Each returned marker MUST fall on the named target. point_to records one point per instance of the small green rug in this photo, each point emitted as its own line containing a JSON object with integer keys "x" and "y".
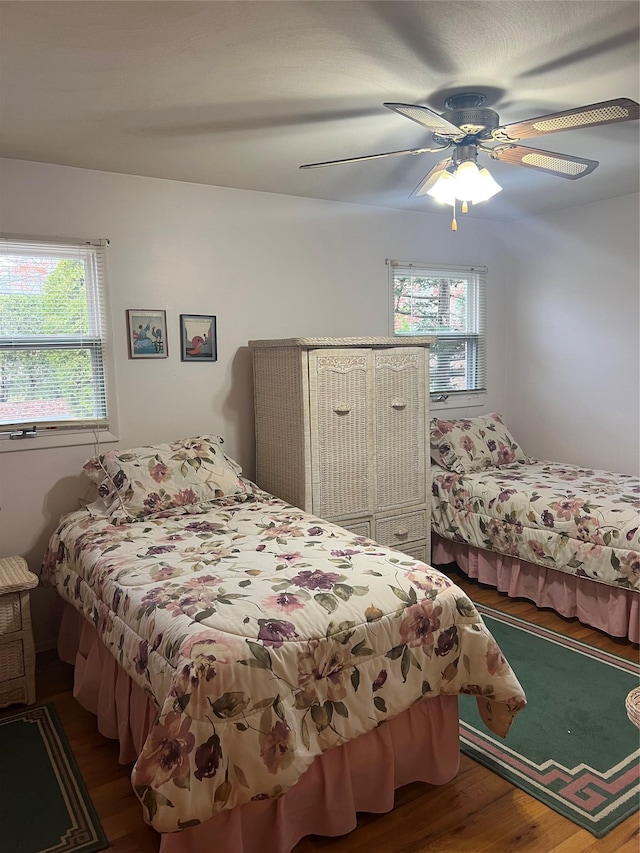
{"x": 573, "y": 746}
{"x": 44, "y": 804}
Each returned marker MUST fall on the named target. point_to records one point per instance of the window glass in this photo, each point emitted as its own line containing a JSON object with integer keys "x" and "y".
{"x": 449, "y": 304}
{"x": 52, "y": 336}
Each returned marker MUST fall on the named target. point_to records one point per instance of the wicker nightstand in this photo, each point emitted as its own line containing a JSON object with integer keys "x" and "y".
{"x": 17, "y": 653}
{"x": 632, "y": 704}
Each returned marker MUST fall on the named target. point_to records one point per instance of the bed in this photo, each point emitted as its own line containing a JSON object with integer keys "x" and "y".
{"x": 563, "y": 536}
{"x": 270, "y": 673}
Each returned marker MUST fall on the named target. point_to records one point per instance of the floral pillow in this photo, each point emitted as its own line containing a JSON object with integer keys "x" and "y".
{"x": 474, "y": 444}
{"x": 145, "y": 481}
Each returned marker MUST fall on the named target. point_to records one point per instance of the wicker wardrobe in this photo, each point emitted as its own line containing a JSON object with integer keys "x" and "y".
{"x": 342, "y": 432}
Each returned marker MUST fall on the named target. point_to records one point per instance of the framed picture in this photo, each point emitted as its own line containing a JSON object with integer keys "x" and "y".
{"x": 147, "y": 333}
{"x": 198, "y": 337}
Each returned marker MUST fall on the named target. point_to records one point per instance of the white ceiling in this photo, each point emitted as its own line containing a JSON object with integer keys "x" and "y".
{"x": 240, "y": 93}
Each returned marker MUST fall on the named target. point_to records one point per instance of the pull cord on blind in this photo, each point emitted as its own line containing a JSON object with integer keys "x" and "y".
{"x": 52, "y": 335}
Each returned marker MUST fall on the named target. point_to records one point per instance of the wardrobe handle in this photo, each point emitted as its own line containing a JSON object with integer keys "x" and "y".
{"x": 398, "y": 404}
{"x": 342, "y": 409}
{"x": 401, "y": 531}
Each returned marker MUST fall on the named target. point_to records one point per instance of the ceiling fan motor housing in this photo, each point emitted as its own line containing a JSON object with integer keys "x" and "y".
{"x": 475, "y": 121}
{"x": 466, "y": 110}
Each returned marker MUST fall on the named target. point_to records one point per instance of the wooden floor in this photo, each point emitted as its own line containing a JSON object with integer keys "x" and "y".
{"x": 477, "y": 812}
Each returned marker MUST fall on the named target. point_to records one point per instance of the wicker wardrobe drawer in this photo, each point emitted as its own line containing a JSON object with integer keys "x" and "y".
{"x": 395, "y": 530}
{"x": 358, "y": 526}
{"x": 10, "y": 619}
{"x": 11, "y": 660}
{"x": 418, "y": 552}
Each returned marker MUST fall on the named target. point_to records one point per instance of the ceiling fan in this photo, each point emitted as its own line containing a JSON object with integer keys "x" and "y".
{"x": 469, "y": 127}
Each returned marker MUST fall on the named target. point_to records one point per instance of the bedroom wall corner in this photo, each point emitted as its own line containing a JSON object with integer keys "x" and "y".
{"x": 573, "y": 380}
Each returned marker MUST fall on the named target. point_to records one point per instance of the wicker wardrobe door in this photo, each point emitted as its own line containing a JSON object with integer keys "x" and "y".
{"x": 400, "y": 395}
{"x": 341, "y": 400}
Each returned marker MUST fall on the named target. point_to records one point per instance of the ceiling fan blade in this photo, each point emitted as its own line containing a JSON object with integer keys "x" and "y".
{"x": 429, "y": 180}
{"x": 370, "y": 157}
{"x": 562, "y": 165}
{"x": 605, "y": 112}
{"x": 427, "y": 118}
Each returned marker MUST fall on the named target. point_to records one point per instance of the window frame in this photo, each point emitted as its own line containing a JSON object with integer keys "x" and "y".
{"x": 19, "y": 434}
{"x": 476, "y": 276}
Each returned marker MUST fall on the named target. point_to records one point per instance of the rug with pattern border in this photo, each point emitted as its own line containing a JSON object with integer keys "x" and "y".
{"x": 573, "y": 747}
{"x": 44, "y": 804}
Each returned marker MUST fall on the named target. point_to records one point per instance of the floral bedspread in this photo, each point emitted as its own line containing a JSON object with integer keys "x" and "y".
{"x": 266, "y": 636}
{"x": 585, "y": 522}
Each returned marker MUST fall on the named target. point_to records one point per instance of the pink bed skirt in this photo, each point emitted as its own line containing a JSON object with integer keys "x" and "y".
{"x": 361, "y": 776}
{"x": 610, "y": 609}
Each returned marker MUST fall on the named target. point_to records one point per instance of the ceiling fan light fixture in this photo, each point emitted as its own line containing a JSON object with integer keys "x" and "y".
{"x": 467, "y": 184}
{"x": 443, "y": 188}
{"x": 474, "y": 185}
{"x": 490, "y": 186}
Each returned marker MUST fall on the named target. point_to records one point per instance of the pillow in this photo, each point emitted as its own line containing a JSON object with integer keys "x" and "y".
{"x": 144, "y": 481}
{"x": 474, "y": 444}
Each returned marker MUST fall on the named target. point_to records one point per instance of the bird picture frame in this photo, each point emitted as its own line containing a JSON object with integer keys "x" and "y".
{"x": 147, "y": 333}
{"x": 198, "y": 337}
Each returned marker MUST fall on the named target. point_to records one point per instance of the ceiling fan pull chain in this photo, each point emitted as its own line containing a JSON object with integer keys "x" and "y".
{"x": 454, "y": 224}
{"x": 465, "y": 207}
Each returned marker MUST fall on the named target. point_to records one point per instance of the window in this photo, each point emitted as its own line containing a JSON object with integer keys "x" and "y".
{"x": 52, "y": 338}
{"x": 447, "y": 302}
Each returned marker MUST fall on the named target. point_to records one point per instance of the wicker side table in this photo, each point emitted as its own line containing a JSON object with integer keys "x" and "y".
{"x": 17, "y": 652}
{"x": 632, "y": 704}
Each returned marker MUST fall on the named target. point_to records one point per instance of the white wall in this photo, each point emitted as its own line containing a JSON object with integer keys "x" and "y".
{"x": 573, "y": 345}
{"x": 265, "y": 265}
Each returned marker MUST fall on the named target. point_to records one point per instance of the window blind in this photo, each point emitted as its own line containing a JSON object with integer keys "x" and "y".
{"x": 448, "y": 302}
{"x": 52, "y": 334}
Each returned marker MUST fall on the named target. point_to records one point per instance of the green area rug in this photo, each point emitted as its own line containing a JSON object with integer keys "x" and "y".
{"x": 573, "y": 746}
{"x": 44, "y": 804}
